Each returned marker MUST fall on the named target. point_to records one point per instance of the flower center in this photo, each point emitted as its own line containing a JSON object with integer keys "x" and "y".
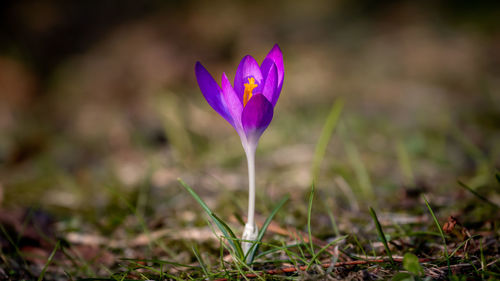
{"x": 247, "y": 94}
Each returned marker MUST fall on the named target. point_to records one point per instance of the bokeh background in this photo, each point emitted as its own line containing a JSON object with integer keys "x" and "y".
{"x": 100, "y": 109}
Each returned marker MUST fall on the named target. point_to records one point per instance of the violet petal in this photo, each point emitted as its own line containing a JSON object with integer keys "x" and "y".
{"x": 270, "y": 89}
{"x": 256, "y": 116}
{"x": 212, "y": 92}
{"x": 274, "y": 56}
{"x": 247, "y": 68}
{"x": 234, "y": 105}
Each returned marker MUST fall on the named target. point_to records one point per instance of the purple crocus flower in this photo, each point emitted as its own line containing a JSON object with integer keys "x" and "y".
{"x": 248, "y": 106}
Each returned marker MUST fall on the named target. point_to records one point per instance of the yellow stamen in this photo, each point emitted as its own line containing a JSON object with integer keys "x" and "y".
{"x": 247, "y": 94}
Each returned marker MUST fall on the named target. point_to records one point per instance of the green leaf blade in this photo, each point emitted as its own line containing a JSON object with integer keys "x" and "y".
{"x": 412, "y": 265}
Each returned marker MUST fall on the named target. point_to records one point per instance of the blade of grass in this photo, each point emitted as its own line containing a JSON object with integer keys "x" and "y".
{"x": 25, "y": 223}
{"x": 302, "y": 254}
{"x": 324, "y": 138}
{"x": 161, "y": 271}
{"x": 221, "y": 255}
{"x": 290, "y": 254}
{"x": 313, "y": 259}
{"x": 257, "y": 274}
{"x": 285, "y": 248}
{"x": 229, "y": 230}
{"x": 348, "y": 192}
{"x": 440, "y": 232}
{"x": 275, "y": 249}
{"x": 483, "y": 260}
{"x": 223, "y": 227}
{"x": 143, "y": 193}
{"x": 486, "y": 200}
{"x": 240, "y": 270}
{"x": 104, "y": 268}
{"x": 239, "y": 263}
{"x": 359, "y": 245}
{"x": 362, "y": 176}
{"x": 405, "y": 164}
{"x": 472, "y": 149}
{"x": 422, "y": 233}
{"x": 142, "y": 266}
{"x": 49, "y": 260}
{"x": 333, "y": 221}
{"x": 239, "y": 218}
{"x": 477, "y": 155}
{"x": 16, "y": 248}
{"x": 170, "y": 276}
{"x": 174, "y": 124}
{"x": 159, "y": 262}
{"x": 251, "y": 253}
{"x": 373, "y": 249}
{"x": 462, "y": 244}
{"x": 309, "y": 211}
{"x": 78, "y": 262}
{"x": 381, "y": 234}
{"x": 200, "y": 261}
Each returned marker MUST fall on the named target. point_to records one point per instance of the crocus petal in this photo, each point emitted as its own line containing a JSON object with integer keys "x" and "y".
{"x": 270, "y": 85}
{"x": 234, "y": 105}
{"x": 275, "y": 56}
{"x": 248, "y": 68}
{"x": 256, "y": 116}
{"x": 212, "y": 92}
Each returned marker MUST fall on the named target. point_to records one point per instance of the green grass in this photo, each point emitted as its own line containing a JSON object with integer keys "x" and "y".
{"x": 381, "y": 234}
{"x": 349, "y": 232}
{"x": 445, "y": 247}
{"x": 326, "y": 135}
{"x": 49, "y": 260}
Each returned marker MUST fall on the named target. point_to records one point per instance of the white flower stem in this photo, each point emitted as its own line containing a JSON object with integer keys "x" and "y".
{"x": 251, "y": 231}
{"x": 251, "y": 187}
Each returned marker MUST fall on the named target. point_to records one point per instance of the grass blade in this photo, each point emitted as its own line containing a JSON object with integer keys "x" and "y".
{"x": 293, "y": 256}
{"x": 462, "y": 244}
{"x": 440, "y": 232}
{"x": 333, "y": 221}
{"x": 239, "y": 218}
{"x": 175, "y": 264}
{"x": 324, "y": 138}
{"x": 275, "y": 249}
{"x": 359, "y": 245}
{"x": 200, "y": 261}
{"x": 486, "y": 200}
{"x": 316, "y": 255}
{"x": 49, "y": 260}
{"x": 405, "y": 164}
{"x": 255, "y": 246}
{"x": 16, "y": 248}
{"x": 381, "y": 234}
{"x": 360, "y": 171}
{"x": 223, "y": 227}
{"x": 309, "y": 211}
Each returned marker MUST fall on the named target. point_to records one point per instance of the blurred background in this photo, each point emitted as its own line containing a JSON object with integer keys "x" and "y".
{"x": 100, "y": 109}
